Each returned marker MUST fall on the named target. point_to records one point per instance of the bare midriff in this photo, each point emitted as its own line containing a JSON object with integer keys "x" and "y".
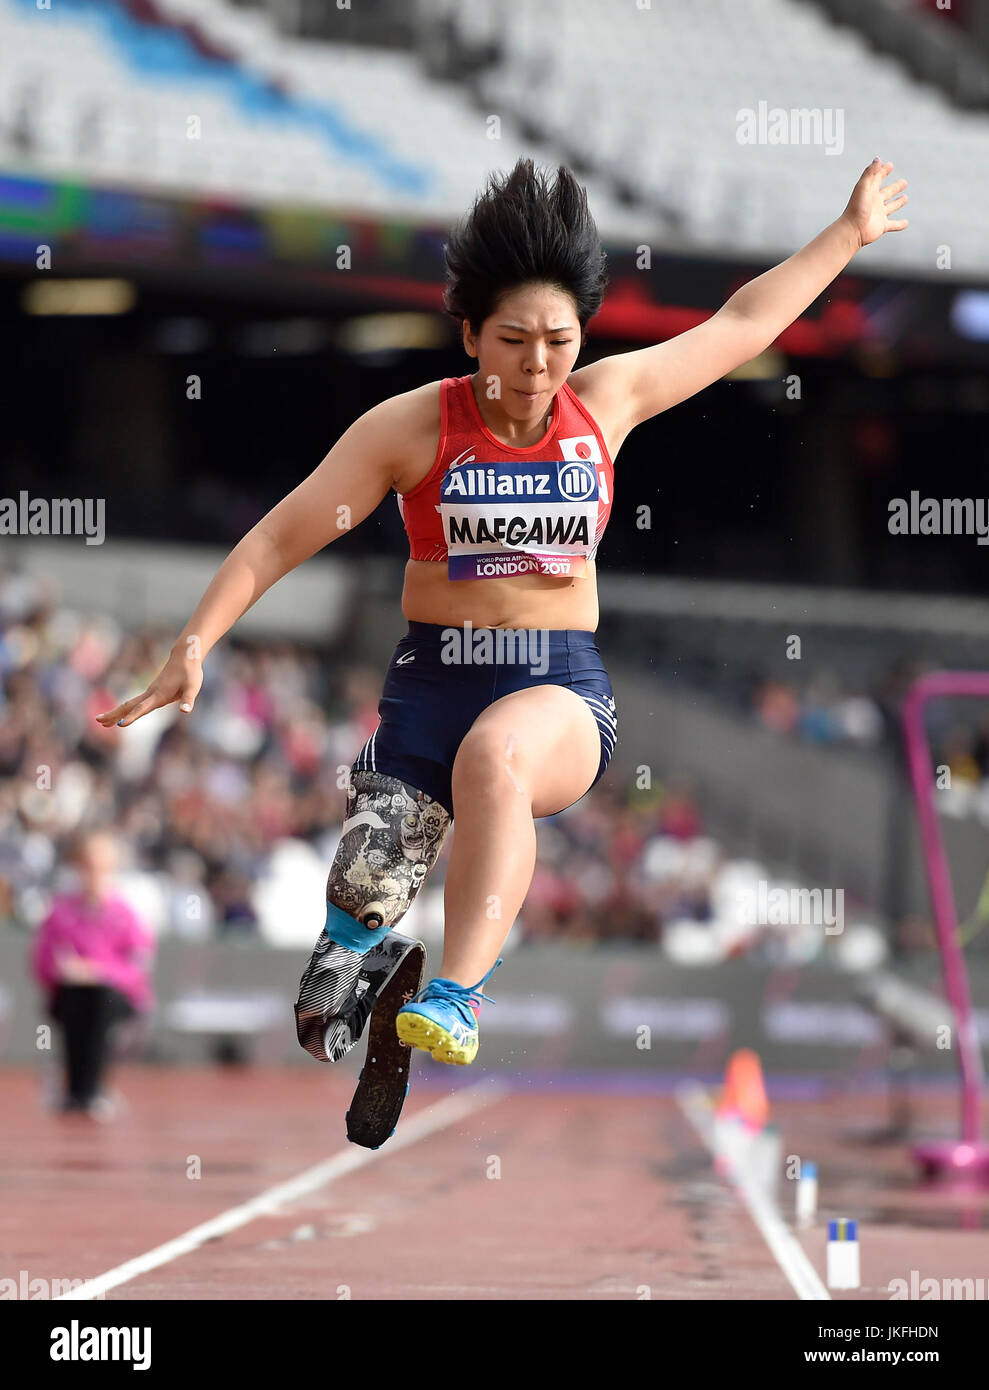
{"x": 515, "y": 601}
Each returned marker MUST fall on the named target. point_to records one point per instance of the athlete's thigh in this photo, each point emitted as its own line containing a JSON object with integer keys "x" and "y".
{"x": 542, "y": 741}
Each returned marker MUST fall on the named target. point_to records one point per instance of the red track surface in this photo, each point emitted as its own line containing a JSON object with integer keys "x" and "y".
{"x": 600, "y": 1195}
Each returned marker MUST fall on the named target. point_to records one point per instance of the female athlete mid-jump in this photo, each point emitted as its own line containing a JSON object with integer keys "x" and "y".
{"x": 504, "y": 482}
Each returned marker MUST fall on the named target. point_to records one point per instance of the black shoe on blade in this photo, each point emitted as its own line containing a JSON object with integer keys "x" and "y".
{"x": 339, "y": 989}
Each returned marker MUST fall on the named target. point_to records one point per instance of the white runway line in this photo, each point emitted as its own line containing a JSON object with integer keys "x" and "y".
{"x": 419, "y": 1126}
{"x": 789, "y": 1253}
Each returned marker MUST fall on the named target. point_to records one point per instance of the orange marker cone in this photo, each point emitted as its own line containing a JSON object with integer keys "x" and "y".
{"x": 743, "y": 1095}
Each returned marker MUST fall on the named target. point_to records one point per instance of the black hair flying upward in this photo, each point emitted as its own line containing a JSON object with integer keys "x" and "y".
{"x": 522, "y": 229}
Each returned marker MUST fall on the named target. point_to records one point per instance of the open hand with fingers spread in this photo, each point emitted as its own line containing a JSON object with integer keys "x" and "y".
{"x": 870, "y": 205}
{"x": 179, "y": 679}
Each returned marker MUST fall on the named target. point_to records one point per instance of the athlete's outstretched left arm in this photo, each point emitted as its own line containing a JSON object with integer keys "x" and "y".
{"x": 650, "y": 380}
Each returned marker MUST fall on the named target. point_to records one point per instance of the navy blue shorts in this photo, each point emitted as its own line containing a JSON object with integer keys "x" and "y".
{"x": 440, "y": 678}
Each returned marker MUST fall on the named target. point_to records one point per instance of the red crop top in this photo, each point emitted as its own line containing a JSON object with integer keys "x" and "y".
{"x": 489, "y": 509}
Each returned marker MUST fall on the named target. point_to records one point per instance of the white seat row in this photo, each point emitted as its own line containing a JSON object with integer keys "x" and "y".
{"x": 652, "y": 97}
{"x": 649, "y": 99}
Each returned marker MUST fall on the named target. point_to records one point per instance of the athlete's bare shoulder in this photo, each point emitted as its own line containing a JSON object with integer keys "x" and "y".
{"x": 413, "y": 419}
{"x": 591, "y": 387}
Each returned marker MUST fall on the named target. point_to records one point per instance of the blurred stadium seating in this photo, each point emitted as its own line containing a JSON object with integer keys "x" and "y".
{"x": 398, "y": 113}
{"x": 229, "y": 820}
{"x": 106, "y": 89}
{"x": 682, "y": 86}
{"x": 222, "y": 228}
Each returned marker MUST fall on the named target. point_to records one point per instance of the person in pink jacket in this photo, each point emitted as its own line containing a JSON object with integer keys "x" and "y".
{"x": 92, "y": 957}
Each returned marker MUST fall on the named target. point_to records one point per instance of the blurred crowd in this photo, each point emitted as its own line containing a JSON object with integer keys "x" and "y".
{"x": 601, "y": 873}
{"x": 821, "y": 711}
{"x": 225, "y": 821}
{"x": 961, "y": 760}
{"x": 205, "y": 809}
{"x": 198, "y": 801}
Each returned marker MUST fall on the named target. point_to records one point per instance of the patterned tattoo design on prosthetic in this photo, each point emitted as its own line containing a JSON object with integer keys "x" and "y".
{"x": 392, "y": 835}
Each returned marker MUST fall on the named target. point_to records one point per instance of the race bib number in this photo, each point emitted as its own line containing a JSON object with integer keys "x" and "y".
{"x": 520, "y": 518}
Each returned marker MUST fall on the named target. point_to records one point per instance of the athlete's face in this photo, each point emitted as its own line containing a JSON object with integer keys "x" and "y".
{"x": 526, "y": 349}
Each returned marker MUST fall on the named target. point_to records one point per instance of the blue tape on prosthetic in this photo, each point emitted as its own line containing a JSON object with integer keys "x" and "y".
{"x": 345, "y": 930}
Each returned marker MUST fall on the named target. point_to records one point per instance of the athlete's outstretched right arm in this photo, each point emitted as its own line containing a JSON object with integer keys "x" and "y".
{"x": 345, "y": 488}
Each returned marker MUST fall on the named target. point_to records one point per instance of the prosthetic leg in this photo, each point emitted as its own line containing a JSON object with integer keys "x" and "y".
{"x": 360, "y": 968}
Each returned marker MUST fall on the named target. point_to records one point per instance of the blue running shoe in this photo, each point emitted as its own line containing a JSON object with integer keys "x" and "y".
{"x": 442, "y": 1019}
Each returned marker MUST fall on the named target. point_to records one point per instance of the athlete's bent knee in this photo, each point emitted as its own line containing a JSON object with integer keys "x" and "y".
{"x": 491, "y": 760}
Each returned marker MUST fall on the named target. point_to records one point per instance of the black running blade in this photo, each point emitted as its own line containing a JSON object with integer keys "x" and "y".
{"x": 377, "y": 1104}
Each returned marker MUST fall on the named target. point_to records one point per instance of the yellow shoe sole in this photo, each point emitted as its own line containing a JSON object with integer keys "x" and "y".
{"x": 416, "y": 1031}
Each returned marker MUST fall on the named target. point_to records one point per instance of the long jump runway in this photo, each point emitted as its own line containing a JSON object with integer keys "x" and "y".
{"x": 240, "y": 1184}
